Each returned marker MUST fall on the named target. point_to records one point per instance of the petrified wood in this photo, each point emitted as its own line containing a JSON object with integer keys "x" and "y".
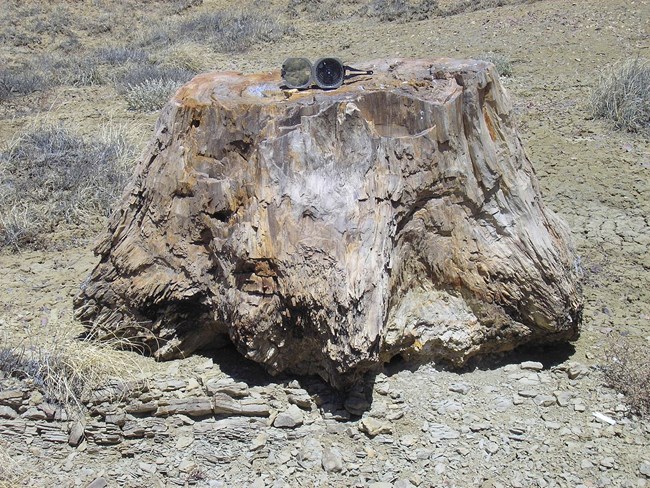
{"x": 328, "y": 231}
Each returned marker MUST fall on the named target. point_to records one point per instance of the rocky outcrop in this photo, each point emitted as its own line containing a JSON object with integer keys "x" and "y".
{"x": 326, "y": 232}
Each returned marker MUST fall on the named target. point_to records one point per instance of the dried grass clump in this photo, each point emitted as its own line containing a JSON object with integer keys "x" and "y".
{"x": 463, "y": 6}
{"x": 319, "y": 10}
{"x": 627, "y": 370}
{"x": 148, "y": 87}
{"x": 12, "y": 473}
{"x": 149, "y": 72}
{"x": 20, "y": 81}
{"x": 47, "y": 71}
{"x": 51, "y": 176}
{"x": 67, "y": 369}
{"x": 117, "y": 55}
{"x": 232, "y": 31}
{"x": 150, "y": 95}
{"x": 187, "y": 56}
{"x": 20, "y": 226}
{"x": 69, "y": 70}
{"x": 229, "y": 30}
{"x": 501, "y": 62}
{"x": 622, "y": 94}
{"x": 402, "y": 10}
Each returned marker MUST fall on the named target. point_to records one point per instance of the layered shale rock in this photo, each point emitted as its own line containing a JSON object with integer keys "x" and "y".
{"x": 328, "y": 231}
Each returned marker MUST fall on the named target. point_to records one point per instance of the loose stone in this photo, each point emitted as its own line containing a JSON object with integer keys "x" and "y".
{"x": 607, "y": 462}
{"x": 545, "y": 400}
{"x": 332, "y": 460}
{"x": 290, "y": 418}
{"x": 461, "y": 388}
{"x": 98, "y": 483}
{"x": 7, "y": 412}
{"x": 604, "y": 418}
{"x": 644, "y": 469}
{"x": 228, "y": 387}
{"x": 374, "y": 427}
{"x": 532, "y": 365}
{"x": 76, "y": 433}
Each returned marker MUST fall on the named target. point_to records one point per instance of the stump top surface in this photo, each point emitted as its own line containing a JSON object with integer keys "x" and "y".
{"x": 428, "y": 78}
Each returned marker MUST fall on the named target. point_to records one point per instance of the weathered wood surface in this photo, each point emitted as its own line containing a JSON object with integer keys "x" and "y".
{"x": 325, "y": 232}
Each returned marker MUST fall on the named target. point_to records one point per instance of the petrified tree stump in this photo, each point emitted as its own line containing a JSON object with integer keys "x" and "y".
{"x": 326, "y": 232}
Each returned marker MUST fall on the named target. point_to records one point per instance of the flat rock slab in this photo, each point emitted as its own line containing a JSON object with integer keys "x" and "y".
{"x": 328, "y": 231}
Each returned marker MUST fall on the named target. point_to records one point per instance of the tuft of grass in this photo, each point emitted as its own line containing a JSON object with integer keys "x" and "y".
{"x": 150, "y": 95}
{"x": 501, "y": 62}
{"x": 229, "y": 30}
{"x": 20, "y": 81}
{"x": 150, "y": 72}
{"x": 12, "y": 473}
{"x": 52, "y": 176}
{"x": 622, "y": 94}
{"x": 627, "y": 370}
{"x": 66, "y": 369}
{"x": 118, "y": 55}
{"x": 402, "y": 10}
{"x": 180, "y": 6}
{"x": 388, "y": 10}
{"x": 148, "y": 87}
{"x": 20, "y": 226}
{"x": 320, "y": 10}
{"x": 46, "y": 72}
{"x": 68, "y": 70}
{"x": 464, "y": 6}
{"x": 187, "y": 56}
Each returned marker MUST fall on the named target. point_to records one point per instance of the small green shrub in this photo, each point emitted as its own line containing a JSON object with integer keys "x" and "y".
{"x": 622, "y": 94}
{"x": 501, "y": 62}
{"x": 627, "y": 370}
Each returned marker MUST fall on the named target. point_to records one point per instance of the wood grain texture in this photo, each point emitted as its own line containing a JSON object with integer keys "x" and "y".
{"x": 326, "y": 232}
